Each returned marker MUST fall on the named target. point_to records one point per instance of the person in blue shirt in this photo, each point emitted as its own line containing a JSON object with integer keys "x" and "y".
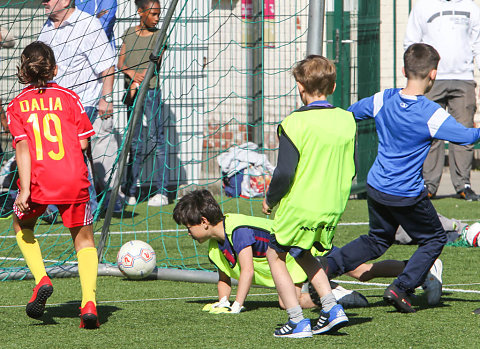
{"x": 104, "y": 10}
{"x": 407, "y": 123}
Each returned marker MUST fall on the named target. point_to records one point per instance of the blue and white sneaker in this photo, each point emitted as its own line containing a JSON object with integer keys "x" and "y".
{"x": 301, "y": 329}
{"x": 331, "y": 321}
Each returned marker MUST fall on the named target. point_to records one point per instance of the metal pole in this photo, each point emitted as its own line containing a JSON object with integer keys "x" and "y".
{"x": 394, "y": 43}
{"x": 136, "y": 114}
{"x": 316, "y": 20}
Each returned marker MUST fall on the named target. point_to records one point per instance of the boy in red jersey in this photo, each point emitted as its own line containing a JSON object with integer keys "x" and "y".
{"x": 50, "y": 130}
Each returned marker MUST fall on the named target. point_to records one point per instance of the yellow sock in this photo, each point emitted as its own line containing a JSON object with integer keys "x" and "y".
{"x": 87, "y": 270}
{"x": 31, "y": 252}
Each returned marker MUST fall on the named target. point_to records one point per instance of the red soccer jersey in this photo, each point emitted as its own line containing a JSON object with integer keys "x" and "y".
{"x": 53, "y": 122}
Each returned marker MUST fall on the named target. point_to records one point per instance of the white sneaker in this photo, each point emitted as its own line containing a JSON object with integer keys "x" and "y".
{"x": 131, "y": 200}
{"x": 158, "y": 200}
{"x": 433, "y": 283}
{"x": 348, "y": 298}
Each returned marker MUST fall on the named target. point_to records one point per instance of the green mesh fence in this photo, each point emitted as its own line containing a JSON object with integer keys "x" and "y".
{"x": 225, "y": 80}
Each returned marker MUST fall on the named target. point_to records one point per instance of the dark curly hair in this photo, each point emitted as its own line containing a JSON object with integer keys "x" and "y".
{"x": 197, "y": 204}
{"x": 37, "y": 64}
{"x": 143, "y": 4}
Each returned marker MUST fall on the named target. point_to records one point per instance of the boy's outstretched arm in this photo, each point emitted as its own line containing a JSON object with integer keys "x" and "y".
{"x": 444, "y": 126}
{"x": 363, "y": 109}
{"x": 369, "y": 107}
{"x": 24, "y": 165}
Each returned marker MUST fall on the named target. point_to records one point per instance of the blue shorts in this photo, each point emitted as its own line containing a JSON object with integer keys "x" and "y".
{"x": 294, "y": 251}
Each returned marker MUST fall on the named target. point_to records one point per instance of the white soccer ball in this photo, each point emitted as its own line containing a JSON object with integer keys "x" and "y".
{"x": 136, "y": 259}
{"x": 471, "y": 234}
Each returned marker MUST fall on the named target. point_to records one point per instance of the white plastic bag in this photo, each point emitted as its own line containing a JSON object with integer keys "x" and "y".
{"x": 256, "y": 180}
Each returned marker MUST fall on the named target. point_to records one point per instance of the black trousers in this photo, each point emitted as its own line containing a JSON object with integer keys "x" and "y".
{"x": 421, "y": 223}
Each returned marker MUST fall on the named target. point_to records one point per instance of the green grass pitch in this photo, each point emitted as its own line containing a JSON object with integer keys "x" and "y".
{"x": 167, "y": 314}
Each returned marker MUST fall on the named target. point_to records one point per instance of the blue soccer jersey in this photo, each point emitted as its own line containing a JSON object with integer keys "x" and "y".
{"x": 406, "y": 126}
{"x": 243, "y": 237}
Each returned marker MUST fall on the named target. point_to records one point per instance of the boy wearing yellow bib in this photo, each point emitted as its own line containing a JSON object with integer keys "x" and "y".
{"x": 311, "y": 184}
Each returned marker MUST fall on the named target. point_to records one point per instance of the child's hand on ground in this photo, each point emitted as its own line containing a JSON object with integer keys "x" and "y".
{"x": 222, "y": 303}
{"x": 236, "y": 308}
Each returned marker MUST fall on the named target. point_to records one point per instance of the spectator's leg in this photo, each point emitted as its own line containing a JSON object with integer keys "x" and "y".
{"x": 136, "y": 156}
{"x": 462, "y": 105}
{"x": 104, "y": 150}
{"x": 92, "y": 115}
{"x": 154, "y": 113}
{"x": 433, "y": 165}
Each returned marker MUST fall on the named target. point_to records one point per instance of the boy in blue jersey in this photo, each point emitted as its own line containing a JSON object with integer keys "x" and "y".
{"x": 406, "y": 123}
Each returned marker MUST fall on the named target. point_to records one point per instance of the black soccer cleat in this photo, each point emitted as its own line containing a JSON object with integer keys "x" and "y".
{"x": 468, "y": 194}
{"x": 398, "y": 298}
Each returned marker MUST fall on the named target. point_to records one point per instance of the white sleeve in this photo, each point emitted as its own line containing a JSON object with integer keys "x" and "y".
{"x": 475, "y": 35}
{"x": 101, "y": 56}
{"x": 414, "y": 32}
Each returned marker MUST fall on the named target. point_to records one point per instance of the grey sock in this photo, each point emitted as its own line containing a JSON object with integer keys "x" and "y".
{"x": 295, "y": 314}
{"x": 328, "y": 302}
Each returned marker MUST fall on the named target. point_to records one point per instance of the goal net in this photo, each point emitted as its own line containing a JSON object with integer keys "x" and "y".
{"x": 225, "y": 83}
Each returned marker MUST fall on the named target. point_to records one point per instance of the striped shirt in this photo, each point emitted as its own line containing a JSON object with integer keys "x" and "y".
{"x": 82, "y": 52}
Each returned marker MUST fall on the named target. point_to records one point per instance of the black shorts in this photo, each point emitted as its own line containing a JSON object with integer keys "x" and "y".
{"x": 294, "y": 251}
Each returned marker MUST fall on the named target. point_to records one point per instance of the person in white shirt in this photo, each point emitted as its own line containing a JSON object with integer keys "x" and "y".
{"x": 452, "y": 27}
{"x": 86, "y": 64}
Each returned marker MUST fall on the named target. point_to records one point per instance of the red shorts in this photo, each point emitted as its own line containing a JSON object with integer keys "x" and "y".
{"x": 73, "y": 215}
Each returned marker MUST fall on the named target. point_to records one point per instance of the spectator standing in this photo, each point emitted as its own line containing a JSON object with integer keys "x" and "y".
{"x": 452, "y": 27}
{"x": 104, "y": 10}
{"x": 133, "y": 61}
{"x": 86, "y": 64}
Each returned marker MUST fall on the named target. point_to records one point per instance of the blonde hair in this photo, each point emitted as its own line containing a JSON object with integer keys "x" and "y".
{"x": 317, "y": 75}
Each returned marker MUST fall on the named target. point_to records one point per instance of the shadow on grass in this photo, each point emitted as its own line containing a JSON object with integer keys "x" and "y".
{"x": 420, "y": 303}
{"x": 72, "y": 310}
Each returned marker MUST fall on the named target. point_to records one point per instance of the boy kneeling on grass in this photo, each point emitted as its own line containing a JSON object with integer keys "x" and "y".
{"x": 237, "y": 246}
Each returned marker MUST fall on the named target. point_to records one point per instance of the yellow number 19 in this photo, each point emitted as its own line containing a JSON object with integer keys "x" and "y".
{"x": 57, "y": 138}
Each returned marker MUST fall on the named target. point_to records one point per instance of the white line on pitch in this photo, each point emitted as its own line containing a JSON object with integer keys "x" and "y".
{"x": 139, "y": 300}
{"x": 155, "y": 231}
{"x": 445, "y": 287}
{"x": 111, "y": 233}
{"x": 138, "y": 232}
{"x": 45, "y": 260}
